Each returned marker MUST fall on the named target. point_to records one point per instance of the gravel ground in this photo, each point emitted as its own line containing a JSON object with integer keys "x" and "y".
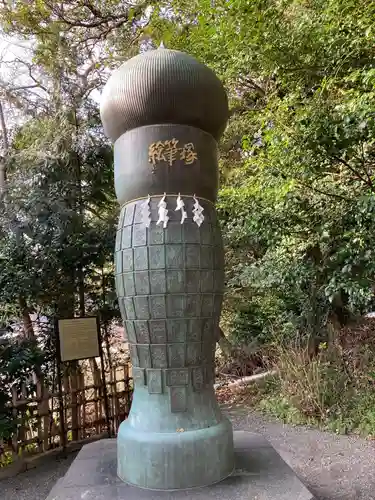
{"x": 333, "y": 467}
{"x": 35, "y": 484}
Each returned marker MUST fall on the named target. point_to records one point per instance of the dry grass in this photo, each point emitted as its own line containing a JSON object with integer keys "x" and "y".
{"x": 335, "y": 389}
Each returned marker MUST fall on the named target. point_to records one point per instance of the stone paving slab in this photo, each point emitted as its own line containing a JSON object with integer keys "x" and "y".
{"x": 261, "y": 474}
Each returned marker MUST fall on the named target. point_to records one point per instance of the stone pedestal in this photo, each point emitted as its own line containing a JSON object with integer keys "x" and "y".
{"x": 260, "y": 474}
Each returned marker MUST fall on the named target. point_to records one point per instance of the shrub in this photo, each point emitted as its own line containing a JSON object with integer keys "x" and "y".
{"x": 334, "y": 390}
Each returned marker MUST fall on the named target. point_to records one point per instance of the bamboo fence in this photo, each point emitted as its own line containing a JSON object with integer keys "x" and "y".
{"x": 81, "y": 402}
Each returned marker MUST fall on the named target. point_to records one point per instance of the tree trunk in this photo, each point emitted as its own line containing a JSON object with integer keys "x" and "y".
{"x": 2, "y": 179}
{"x": 4, "y": 133}
{"x": 28, "y": 328}
{"x": 25, "y": 314}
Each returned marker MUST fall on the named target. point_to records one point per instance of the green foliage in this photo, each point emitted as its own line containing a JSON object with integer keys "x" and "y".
{"x": 333, "y": 391}
{"x": 65, "y": 216}
{"x": 58, "y": 220}
{"x": 7, "y": 423}
{"x": 18, "y": 361}
{"x": 297, "y": 159}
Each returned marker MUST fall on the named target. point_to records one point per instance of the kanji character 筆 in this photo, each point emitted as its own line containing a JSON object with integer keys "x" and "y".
{"x": 170, "y": 151}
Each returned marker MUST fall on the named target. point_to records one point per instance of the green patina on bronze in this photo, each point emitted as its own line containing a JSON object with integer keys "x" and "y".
{"x": 165, "y": 111}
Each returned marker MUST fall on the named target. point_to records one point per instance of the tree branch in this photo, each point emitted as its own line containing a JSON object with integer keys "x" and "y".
{"x": 368, "y": 182}
{"x": 249, "y": 82}
{"x": 4, "y": 130}
{"x": 103, "y": 19}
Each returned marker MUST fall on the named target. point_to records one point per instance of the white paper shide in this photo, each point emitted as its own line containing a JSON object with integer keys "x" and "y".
{"x": 198, "y": 217}
{"x": 146, "y": 212}
{"x": 163, "y": 212}
{"x": 181, "y": 206}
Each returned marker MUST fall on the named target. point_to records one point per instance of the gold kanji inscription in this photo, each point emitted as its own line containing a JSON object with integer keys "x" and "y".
{"x": 188, "y": 154}
{"x": 155, "y": 152}
{"x": 169, "y": 152}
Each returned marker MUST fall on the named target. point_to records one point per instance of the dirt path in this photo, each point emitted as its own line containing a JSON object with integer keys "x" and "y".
{"x": 333, "y": 467}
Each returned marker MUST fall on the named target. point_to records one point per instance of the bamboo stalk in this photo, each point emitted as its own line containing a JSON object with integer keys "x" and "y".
{"x": 83, "y": 405}
{"x": 15, "y": 415}
{"x": 74, "y": 405}
{"x": 41, "y": 435}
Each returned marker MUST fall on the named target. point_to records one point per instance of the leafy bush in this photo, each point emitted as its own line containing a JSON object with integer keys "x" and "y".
{"x": 335, "y": 390}
{"x": 18, "y": 360}
{"x": 297, "y": 160}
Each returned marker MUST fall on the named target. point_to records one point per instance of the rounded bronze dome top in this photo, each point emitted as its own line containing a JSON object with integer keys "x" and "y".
{"x": 163, "y": 86}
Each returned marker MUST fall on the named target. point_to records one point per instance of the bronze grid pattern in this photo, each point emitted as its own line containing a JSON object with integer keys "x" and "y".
{"x": 169, "y": 284}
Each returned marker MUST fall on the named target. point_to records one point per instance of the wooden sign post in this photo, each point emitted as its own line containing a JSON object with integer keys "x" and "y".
{"x": 78, "y": 339}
